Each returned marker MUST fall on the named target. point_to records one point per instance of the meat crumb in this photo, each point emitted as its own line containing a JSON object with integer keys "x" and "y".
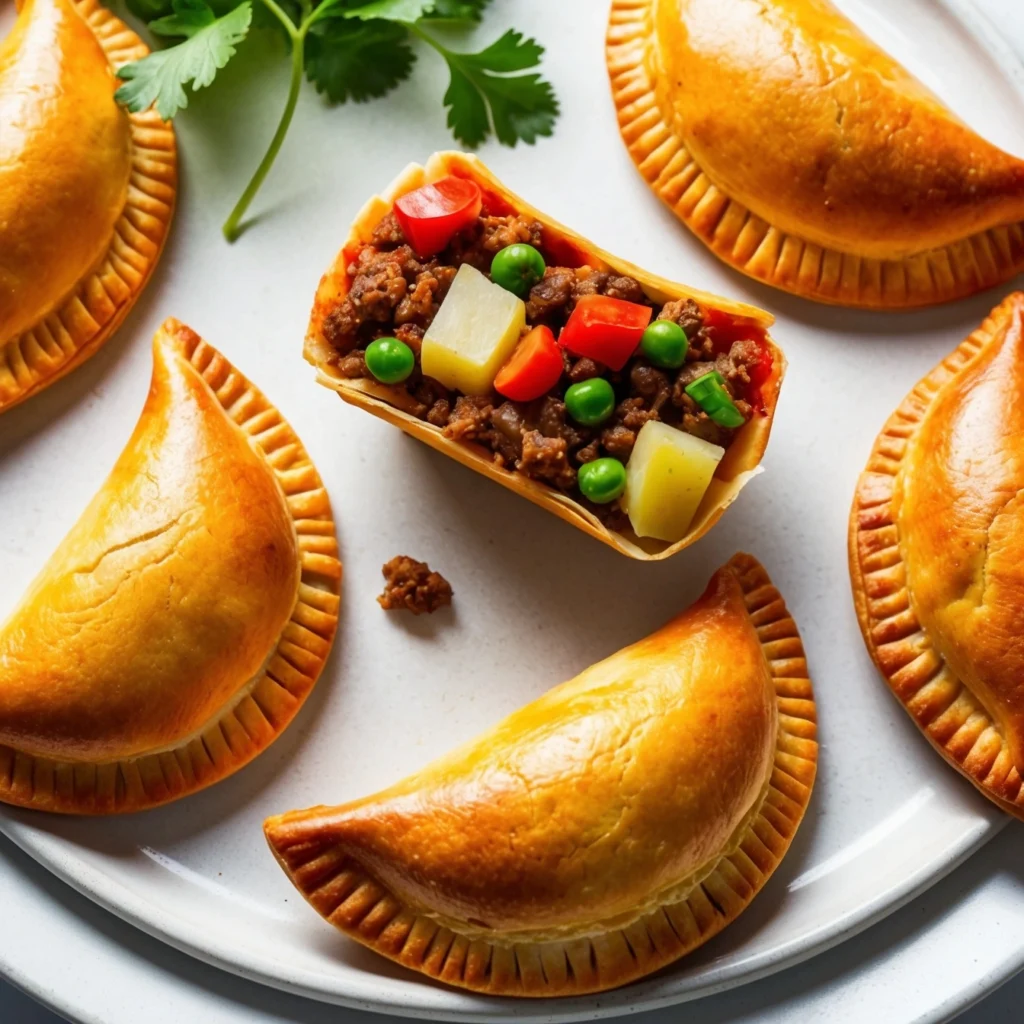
{"x": 412, "y": 585}
{"x": 545, "y": 458}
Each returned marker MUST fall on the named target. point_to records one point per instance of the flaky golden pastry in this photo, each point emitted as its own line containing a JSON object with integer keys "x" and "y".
{"x": 937, "y": 555}
{"x": 805, "y": 156}
{"x": 182, "y": 622}
{"x": 86, "y": 191}
{"x": 597, "y": 834}
{"x": 740, "y": 464}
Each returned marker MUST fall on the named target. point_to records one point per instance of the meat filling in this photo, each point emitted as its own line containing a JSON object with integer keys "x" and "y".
{"x": 393, "y": 292}
{"x": 412, "y": 585}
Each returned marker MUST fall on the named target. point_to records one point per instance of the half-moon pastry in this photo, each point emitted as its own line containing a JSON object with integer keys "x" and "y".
{"x": 631, "y": 407}
{"x": 803, "y": 155}
{"x": 86, "y": 191}
{"x": 937, "y": 556}
{"x": 597, "y": 834}
{"x": 180, "y": 625}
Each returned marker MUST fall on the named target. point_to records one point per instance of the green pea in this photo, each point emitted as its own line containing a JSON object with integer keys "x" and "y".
{"x": 389, "y": 360}
{"x": 665, "y": 344}
{"x": 591, "y": 401}
{"x": 602, "y": 480}
{"x": 517, "y": 268}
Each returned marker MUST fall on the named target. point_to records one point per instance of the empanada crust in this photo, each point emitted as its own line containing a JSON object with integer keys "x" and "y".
{"x": 936, "y": 556}
{"x": 87, "y": 191}
{"x": 597, "y": 834}
{"x": 181, "y": 623}
{"x": 805, "y": 156}
{"x": 742, "y": 459}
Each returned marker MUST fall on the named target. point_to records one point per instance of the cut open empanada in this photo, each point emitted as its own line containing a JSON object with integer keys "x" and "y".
{"x": 476, "y": 385}
{"x": 597, "y": 834}
{"x": 937, "y": 555}
{"x": 86, "y": 191}
{"x": 805, "y": 156}
{"x": 182, "y": 622}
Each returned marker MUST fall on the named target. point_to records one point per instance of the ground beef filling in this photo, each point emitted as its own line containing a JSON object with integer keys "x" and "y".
{"x": 412, "y": 585}
{"x": 394, "y": 292}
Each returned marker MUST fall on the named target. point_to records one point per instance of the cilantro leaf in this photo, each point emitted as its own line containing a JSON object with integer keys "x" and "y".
{"x": 521, "y": 107}
{"x": 509, "y": 53}
{"x": 189, "y": 17}
{"x": 161, "y": 77}
{"x": 407, "y": 12}
{"x": 467, "y": 111}
{"x": 357, "y": 60}
{"x": 457, "y": 10}
{"x": 147, "y": 10}
{"x": 151, "y": 10}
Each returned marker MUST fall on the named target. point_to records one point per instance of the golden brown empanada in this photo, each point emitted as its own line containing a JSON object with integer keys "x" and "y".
{"x": 185, "y": 618}
{"x": 597, "y": 834}
{"x": 805, "y": 156}
{"x": 86, "y": 191}
{"x": 937, "y": 555}
{"x": 719, "y": 322}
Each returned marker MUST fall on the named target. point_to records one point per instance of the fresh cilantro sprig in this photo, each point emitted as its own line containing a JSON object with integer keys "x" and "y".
{"x": 209, "y": 43}
{"x": 349, "y": 50}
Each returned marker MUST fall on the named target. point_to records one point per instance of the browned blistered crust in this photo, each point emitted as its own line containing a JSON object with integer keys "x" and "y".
{"x": 935, "y": 555}
{"x": 519, "y": 865}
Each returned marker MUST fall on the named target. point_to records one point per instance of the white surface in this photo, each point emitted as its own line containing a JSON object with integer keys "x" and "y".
{"x": 885, "y": 821}
{"x": 942, "y": 952}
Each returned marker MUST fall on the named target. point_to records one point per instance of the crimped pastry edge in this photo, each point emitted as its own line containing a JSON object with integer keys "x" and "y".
{"x": 265, "y": 706}
{"x": 754, "y": 246}
{"x": 348, "y": 897}
{"x": 742, "y": 460}
{"x": 954, "y": 721}
{"x": 81, "y": 322}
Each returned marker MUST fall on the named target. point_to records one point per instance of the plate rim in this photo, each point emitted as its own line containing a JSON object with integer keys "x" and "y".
{"x": 97, "y": 886}
{"x": 42, "y": 990}
{"x": 92, "y": 882}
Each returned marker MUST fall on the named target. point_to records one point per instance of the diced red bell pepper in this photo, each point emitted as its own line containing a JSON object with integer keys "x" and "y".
{"x": 724, "y": 329}
{"x": 759, "y": 374}
{"x": 604, "y": 329}
{"x": 431, "y": 215}
{"x": 533, "y": 369}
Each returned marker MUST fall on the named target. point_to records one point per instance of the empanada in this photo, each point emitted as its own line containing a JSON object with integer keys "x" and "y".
{"x": 528, "y": 372}
{"x": 185, "y": 618}
{"x": 86, "y": 191}
{"x": 805, "y": 156}
{"x": 597, "y": 834}
{"x": 937, "y": 555}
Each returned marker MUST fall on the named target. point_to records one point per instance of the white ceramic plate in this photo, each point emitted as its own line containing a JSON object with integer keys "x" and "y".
{"x": 908, "y": 969}
{"x": 535, "y": 599}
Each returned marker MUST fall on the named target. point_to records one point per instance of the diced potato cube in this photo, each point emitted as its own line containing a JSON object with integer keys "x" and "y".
{"x": 666, "y": 477}
{"x": 475, "y": 331}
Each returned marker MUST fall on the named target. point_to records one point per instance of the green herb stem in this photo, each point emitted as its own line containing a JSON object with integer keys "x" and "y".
{"x": 232, "y": 226}
{"x": 431, "y": 41}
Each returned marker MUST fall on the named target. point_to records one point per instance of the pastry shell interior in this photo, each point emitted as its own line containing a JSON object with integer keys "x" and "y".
{"x": 742, "y": 459}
